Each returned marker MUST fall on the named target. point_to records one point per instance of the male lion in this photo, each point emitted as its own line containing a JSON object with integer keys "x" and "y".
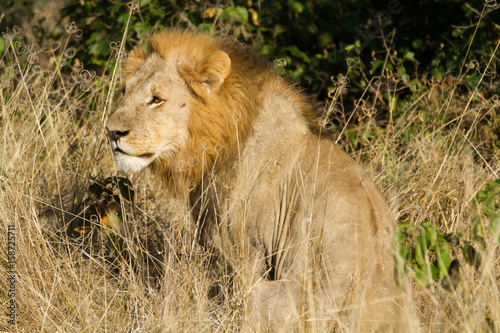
{"x": 274, "y": 196}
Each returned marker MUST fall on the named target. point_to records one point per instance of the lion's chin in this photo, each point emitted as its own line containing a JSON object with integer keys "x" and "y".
{"x": 129, "y": 163}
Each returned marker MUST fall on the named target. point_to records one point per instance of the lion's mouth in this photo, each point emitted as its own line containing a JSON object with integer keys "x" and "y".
{"x": 120, "y": 151}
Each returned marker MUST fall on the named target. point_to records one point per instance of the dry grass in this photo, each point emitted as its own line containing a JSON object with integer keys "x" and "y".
{"x": 53, "y": 147}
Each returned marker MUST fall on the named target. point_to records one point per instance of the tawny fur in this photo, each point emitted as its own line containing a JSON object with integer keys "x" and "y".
{"x": 279, "y": 201}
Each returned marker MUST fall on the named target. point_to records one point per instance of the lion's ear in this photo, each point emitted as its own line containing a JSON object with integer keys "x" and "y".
{"x": 209, "y": 75}
{"x": 134, "y": 60}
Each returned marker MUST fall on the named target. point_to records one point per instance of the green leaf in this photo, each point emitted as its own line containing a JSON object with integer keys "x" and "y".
{"x": 123, "y": 18}
{"x": 206, "y": 27}
{"x": 430, "y": 234}
{"x": 443, "y": 254}
{"x": 294, "y": 50}
{"x": 495, "y": 227}
{"x": 493, "y": 186}
{"x": 420, "y": 275}
{"x": 398, "y": 238}
{"x": 142, "y": 29}
{"x": 432, "y": 273}
{"x": 420, "y": 250}
{"x": 457, "y": 33}
{"x": 237, "y": 14}
{"x": 482, "y": 196}
{"x": 440, "y": 71}
{"x": 356, "y": 45}
{"x": 375, "y": 65}
{"x": 476, "y": 227}
{"x": 297, "y": 6}
{"x": 409, "y": 56}
{"x": 2, "y": 45}
{"x": 352, "y": 135}
{"x": 417, "y": 43}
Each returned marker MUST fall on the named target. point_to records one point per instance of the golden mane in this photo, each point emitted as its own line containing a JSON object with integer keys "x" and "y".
{"x": 219, "y": 124}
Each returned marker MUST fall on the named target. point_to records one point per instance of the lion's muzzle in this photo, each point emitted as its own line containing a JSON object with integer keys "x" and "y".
{"x": 124, "y": 158}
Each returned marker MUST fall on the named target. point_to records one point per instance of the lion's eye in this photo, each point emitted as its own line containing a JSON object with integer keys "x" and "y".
{"x": 155, "y": 100}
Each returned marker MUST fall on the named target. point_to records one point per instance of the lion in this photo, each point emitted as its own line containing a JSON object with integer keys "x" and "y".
{"x": 269, "y": 191}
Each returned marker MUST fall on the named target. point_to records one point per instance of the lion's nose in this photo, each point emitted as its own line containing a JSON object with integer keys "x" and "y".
{"x": 115, "y": 135}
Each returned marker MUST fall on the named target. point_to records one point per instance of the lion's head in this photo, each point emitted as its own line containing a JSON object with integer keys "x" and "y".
{"x": 178, "y": 112}
{"x": 151, "y": 119}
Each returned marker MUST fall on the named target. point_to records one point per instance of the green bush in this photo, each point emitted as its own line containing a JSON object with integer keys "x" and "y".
{"x": 426, "y": 254}
{"x": 315, "y": 38}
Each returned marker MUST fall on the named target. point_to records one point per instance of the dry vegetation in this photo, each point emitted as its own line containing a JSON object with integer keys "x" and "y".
{"x": 53, "y": 147}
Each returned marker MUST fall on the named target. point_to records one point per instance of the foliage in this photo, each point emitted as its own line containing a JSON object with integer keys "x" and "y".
{"x": 103, "y": 206}
{"x": 426, "y": 254}
{"x": 313, "y": 38}
{"x": 487, "y": 202}
{"x": 103, "y": 209}
{"x": 415, "y": 245}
